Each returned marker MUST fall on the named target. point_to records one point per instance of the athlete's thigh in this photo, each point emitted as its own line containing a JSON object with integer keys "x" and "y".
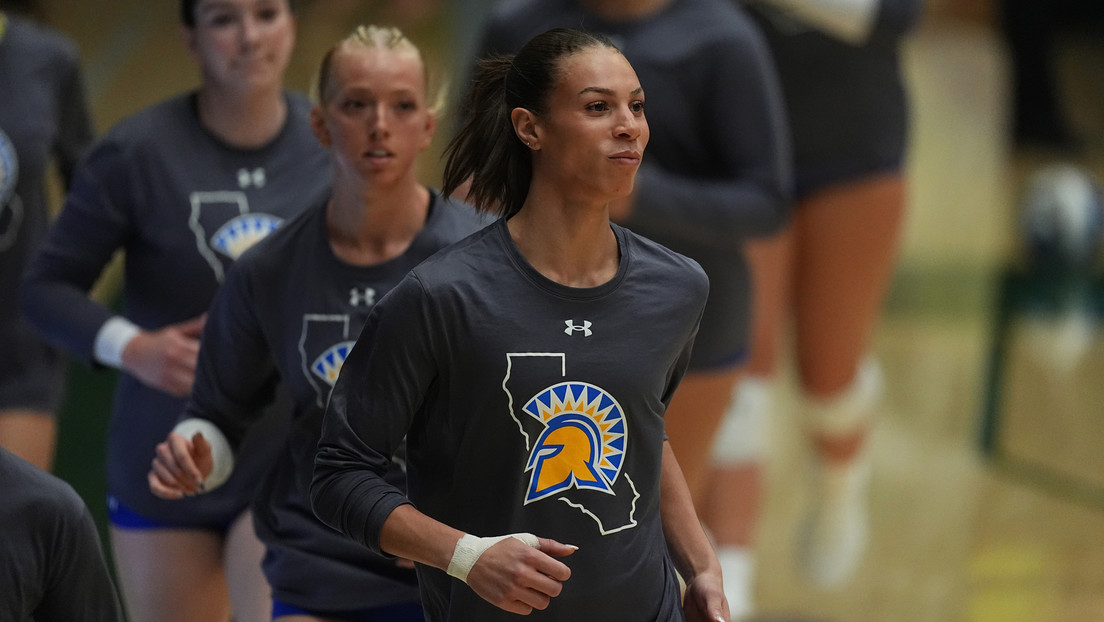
{"x": 171, "y": 575}
{"x": 692, "y": 419}
{"x": 30, "y": 435}
{"x": 242, "y": 553}
{"x": 846, "y": 247}
{"x": 771, "y": 263}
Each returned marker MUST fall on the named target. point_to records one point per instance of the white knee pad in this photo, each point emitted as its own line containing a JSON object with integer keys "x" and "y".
{"x": 742, "y": 436}
{"x": 851, "y": 409}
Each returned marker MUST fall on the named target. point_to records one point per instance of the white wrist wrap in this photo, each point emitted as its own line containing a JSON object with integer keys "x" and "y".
{"x": 221, "y": 453}
{"x": 469, "y": 548}
{"x": 112, "y": 339}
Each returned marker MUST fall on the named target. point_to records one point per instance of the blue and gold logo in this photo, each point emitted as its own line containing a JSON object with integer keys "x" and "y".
{"x": 240, "y": 234}
{"x": 9, "y": 168}
{"x": 583, "y": 442}
{"x": 328, "y": 364}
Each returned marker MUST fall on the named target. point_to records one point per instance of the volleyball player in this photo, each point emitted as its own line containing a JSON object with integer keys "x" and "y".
{"x": 183, "y": 188}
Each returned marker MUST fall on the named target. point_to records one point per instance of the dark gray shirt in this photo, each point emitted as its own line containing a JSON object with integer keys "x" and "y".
{"x": 289, "y": 313}
{"x": 527, "y": 406}
{"x": 51, "y": 564}
{"x": 182, "y": 205}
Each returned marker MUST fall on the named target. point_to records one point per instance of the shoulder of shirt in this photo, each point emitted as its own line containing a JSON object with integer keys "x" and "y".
{"x": 41, "y": 40}
{"x": 40, "y": 490}
{"x": 653, "y": 253}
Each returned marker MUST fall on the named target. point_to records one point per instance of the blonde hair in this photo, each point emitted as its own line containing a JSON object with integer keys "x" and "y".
{"x": 374, "y": 37}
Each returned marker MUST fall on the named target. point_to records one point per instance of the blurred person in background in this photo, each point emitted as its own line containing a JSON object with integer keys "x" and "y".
{"x": 44, "y": 119}
{"x": 183, "y": 188}
{"x": 825, "y": 275}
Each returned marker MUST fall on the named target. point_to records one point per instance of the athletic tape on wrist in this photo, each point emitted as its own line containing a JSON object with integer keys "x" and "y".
{"x": 469, "y": 548}
{"x": 221, "y": 453}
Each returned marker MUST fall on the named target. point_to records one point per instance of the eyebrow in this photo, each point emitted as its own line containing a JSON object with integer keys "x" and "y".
{"x": 605, "y": 91}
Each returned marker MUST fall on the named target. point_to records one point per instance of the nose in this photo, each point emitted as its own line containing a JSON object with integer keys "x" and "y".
{"x": 629, "y": 124}
{"x": 378, "y": 122}
{"x": 250, "y": 32}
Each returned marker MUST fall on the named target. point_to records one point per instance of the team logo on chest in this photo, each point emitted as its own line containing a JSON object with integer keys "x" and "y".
{"x": 582, "y": 444}
{"x": 328, "y": 364}
{"x": 224, "y": 227}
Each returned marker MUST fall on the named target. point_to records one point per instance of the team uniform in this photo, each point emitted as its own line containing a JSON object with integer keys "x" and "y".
{"x": 182, "y": 205}
{"x": 527, "y": 406}
{"x": 43, "y": 115}
{"x": 51, "y": 565}
{"x": 716, "y": 169}
{"x": 288, "y": 314}
{"x": 842, "y": 98}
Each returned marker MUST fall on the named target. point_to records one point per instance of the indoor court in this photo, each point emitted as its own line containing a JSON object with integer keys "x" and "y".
{"x": 987, "y": 498}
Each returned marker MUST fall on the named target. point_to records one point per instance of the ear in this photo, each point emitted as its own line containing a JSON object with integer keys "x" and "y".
{"x": 430, "y": 129}
{"x": 525, "y": 126}
{"x": 318, "y": 124}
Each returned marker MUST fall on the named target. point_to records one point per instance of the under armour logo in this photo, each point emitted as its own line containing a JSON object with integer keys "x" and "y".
{"x": 571, "y": 328}
{"x": 247, "y": 178}
{"x": 368, "y": 297}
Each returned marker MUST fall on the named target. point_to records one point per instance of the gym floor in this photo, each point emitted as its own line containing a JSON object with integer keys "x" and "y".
{"x": 987, "y": 500}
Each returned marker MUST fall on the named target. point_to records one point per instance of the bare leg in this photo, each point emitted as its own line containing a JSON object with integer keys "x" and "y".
{"x": 734, "y": 491}
{"x": 848, "y": 238}
{"x": 171, "y": 575}
{"x": 250, "y": 593}
{"x": 29, "y": 434}
{"x": 692, "y": 419}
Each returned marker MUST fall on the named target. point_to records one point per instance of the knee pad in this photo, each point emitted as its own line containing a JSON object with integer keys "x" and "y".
{"x": 742, "y": 436}
{"x": 851, "y": 409}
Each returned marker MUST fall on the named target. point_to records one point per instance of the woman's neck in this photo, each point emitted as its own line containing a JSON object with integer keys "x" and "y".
{"x": 243, "y": 120}
{"x": 370, "y": 226}
{"x": 570, "y": 244}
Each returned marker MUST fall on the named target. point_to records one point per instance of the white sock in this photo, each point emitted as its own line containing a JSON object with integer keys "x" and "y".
{"x": 738, "y": 574}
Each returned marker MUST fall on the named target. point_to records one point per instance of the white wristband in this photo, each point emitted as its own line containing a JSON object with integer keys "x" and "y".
{"x": 111, "y": 339}
{"x": 469, "y": 548}
{"x": 221, "y": 453}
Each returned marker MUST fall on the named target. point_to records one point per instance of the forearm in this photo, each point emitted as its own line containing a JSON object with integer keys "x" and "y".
{"x": 409, "y": 534}
{"x": 690, "y": 548}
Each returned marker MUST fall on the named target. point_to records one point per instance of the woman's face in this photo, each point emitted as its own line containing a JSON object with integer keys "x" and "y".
{"x": 594, "y": 132}
{"x": 374, "y": 114}
{"x": 242, "y": 44}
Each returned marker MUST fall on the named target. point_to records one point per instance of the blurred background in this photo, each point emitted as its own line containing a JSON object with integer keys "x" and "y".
{"x": 988, "y": 490}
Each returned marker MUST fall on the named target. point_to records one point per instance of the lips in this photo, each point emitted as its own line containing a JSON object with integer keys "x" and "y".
{"x": 627, "y": 157}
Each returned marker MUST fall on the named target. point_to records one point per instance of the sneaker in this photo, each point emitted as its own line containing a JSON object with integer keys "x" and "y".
{"x": 834, "y": 534}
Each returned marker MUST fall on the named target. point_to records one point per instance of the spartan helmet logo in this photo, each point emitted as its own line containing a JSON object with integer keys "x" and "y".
{"x": 572, "y": 328}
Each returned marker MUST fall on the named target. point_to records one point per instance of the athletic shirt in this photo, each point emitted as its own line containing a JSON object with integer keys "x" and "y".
{"x": 43, "y": 114}
{"x": 846, "y": 103}
{"x": 527, "y": 406}
{"x": 289, "y": 313}
{"x": 51, "y": 566}
{"x": 182, "y": 205}
{"x": 716, "y": 170}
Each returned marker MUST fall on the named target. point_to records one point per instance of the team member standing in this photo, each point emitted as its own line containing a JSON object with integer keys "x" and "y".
{"x": 51, "y": 566}
{"x": 43, "y": 115}
{"x": 827, "y": 272}
{"x": 291, "y": 309}
{"x": 716, "y": 174}
{"x": 717, "y": 169}
{"x": 528, "y": 368}
{"x": 183, "y": 188}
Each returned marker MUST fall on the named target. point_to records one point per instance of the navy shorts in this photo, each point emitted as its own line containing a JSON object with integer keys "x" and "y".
{"x": 402, "y": 612}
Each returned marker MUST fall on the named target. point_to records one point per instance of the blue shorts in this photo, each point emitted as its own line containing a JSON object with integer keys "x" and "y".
{"x": 402, "y": 612}
{"x": 119, "y": 515}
